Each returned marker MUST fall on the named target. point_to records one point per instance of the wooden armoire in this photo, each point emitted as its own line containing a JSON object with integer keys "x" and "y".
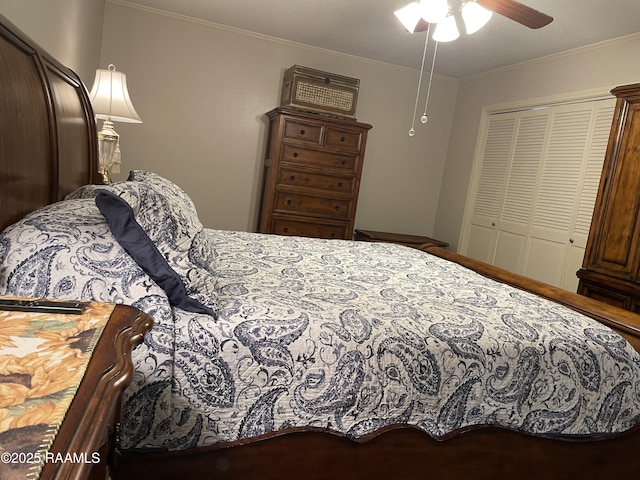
{"x": 312, "y": 174}
{"x": 611, "y": 268}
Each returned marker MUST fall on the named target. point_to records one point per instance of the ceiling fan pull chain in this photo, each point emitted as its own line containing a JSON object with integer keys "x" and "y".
{"x": 424, "y": 118}
{"x": 412, "y": 131}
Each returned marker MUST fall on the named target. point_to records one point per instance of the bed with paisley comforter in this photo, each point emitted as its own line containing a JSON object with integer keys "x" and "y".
{"x": 258, "y": 334}
{"x": 283, "y": 357}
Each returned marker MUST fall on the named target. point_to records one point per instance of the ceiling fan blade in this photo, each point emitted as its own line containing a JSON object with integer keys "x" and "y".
{"x": 422, "y": 26}
{"x": 517, "y": 12}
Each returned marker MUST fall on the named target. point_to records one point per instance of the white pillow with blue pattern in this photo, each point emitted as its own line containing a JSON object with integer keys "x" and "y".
{"x": 157, "y": 224}
{"x": 67, "y": 251}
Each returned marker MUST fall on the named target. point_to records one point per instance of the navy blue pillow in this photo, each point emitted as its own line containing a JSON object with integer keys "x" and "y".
{"x": 162, "y": 238}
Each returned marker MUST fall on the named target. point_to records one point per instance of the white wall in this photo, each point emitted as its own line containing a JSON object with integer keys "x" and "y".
{"x": 202, "y": 91}
{"x": 599, "y": 67}
{"x": 69, "y": 30}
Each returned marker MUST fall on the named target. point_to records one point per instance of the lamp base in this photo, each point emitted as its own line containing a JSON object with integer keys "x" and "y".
{"x": 107, "y": 145}
{"x": 106, "y": 177}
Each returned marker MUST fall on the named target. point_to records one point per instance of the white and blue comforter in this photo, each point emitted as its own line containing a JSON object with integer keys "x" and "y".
{"x": 352, "y": 337}
{"x": 345, "y": 336}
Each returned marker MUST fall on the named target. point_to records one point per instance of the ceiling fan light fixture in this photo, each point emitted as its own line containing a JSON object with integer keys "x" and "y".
{"x": 446, "y": 31}
{"x": 409, "y": 16}
{"x": 434, "y": 11}
{"x": 475, "y": 16}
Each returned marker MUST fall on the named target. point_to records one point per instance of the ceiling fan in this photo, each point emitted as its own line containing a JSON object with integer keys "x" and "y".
{"x": 420, "y": 14}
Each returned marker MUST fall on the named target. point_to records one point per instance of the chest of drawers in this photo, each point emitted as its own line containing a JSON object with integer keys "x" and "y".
{"x": 312, "y": 174}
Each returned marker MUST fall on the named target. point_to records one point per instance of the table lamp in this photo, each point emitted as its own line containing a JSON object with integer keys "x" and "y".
{"x": 111, "y": 103}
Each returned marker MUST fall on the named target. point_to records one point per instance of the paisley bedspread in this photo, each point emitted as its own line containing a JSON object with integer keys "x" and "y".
{"x": 355, "y": 336}
{"x": 275, "y": 333}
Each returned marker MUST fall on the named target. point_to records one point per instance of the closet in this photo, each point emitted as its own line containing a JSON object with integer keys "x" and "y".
{"x": 534, "y": 186}
{"x": 611, "y": 268}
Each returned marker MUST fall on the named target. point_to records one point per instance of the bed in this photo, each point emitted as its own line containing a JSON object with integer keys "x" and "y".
{"x": 288, "y": 357}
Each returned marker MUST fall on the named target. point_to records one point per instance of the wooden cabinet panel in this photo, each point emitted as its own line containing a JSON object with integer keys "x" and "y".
{"x": 302, "y": 131}
{"x": 616, "y": 250}
{"x": 287, "y": 225}
{"x": 610, "y": 271}
{"x": 321, "y": 181}
{"x": 312, "y": 174}
{"x": 319, "y": 159}
{"x": 314, "y": 206}
{"x": 343, "y": 139}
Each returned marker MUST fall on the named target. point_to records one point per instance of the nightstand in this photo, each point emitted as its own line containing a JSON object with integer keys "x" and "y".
{"x": 414, "y": 241}
{"x": 66, "y": 425}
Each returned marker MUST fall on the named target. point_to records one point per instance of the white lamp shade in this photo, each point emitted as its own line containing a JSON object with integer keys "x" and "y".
{"x": 110, "y": 97}
{"x": 475, "y": 16}
{"x": 409, "y": 16}
{"x": 434, "y": 11}
{"x": 446, "y": 31}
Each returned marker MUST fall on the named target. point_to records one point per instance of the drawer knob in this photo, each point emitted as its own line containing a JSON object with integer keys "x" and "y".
{"x": 292, "y": 178}
{"x": 337, "y": 208}
{"x": 289, "y": 202}
{"x": 285, "y": 229}
{"x": 333, "y": 235}
{"x": 302, "y": 132}
{"x": 342, "y": 139}
{"x": 340, "y": 184}
{"x": 343, "y": 162}
{"x": 295, "y": 154}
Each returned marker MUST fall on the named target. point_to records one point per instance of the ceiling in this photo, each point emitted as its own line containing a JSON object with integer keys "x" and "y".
{"x": 369, "y": 29}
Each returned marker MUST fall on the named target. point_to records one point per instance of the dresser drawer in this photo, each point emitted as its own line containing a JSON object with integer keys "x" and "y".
{"x": 316, "y": 206}
{"x": 319, "y": 181}
{"x": 286, "y": 226}
{"x": 302, "y": 131}
{"x": 342, "y": 139}
{"x": 314, "y": 158}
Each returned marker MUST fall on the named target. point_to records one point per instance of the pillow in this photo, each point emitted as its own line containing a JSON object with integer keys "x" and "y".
{"x": 164, "y": 236}
{"x": 86, "y": 191}
{"x": 66, "y": 250}
{"x": 166, "y": 186}
{"x": 161, "y": 184}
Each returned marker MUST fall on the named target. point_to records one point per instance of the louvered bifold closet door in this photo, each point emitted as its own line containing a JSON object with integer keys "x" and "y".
{"x": 570, "y": 174}
{"x": 521, "y": 189}
{"x": 590, "y": 183}
{"x": 539, "y": 224}
{"x": 489, "y": 189}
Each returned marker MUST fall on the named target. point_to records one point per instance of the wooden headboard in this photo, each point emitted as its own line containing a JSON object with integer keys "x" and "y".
{"x": 48, "y": 138}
